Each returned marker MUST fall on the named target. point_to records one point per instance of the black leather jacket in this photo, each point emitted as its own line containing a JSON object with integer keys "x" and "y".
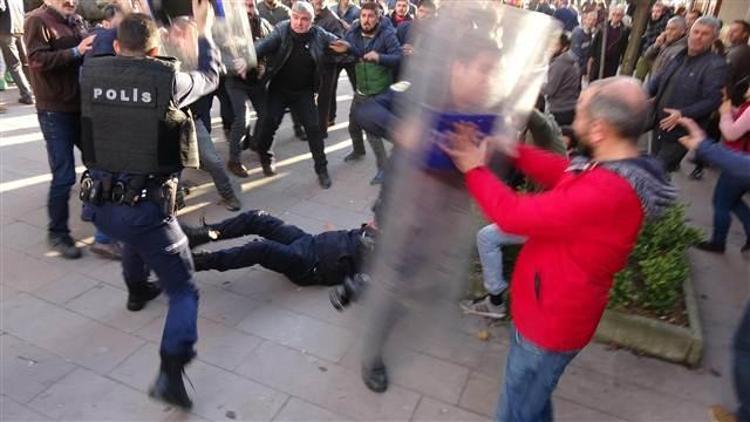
{"x": 277, "y": 48}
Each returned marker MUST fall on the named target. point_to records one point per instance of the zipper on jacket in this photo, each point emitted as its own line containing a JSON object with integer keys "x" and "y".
{"x": 537, "y": 287}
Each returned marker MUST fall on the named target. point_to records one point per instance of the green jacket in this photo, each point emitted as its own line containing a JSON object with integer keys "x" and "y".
{"x": 372, "y": 78}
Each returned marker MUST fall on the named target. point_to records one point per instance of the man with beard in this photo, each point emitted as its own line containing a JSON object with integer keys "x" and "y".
{"x": 571, "y": 244}
{"x": 296, "y": 51}
{"x": 379, "y": 54}
{"x": 738, "y": 53}
{"x": 401, "y": 13}
{"x": 273, "y": 11}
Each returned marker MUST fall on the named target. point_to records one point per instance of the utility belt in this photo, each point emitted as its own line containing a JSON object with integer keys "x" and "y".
{"x": 136, "y": 189}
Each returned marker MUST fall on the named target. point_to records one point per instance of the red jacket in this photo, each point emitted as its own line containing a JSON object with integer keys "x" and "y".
{"x": 580, "y": 233}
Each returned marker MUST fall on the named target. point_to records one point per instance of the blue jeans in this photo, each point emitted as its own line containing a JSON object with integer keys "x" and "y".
{"x": 152, "y": 240}
{"x": 531, "y": 375}
{"x": 62, "y": 131}
{"x": 490, "y": 240}
{"x": 211, "y": 162}
{"x": 742, "y": 365}
{"x": 728, "y": 199}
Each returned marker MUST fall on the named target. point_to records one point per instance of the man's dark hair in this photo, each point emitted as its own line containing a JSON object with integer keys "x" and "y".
{"x": 371, "y": 6}
{"x": 137, "y": 33}
{"x": 110, "y": 11}
{"x": 738, "y": 91}
{"x": 427, "y": 3}
{"x": 745, "y": 25}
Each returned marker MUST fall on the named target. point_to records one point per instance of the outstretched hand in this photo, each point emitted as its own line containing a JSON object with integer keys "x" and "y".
{"x": 465, "y": 147}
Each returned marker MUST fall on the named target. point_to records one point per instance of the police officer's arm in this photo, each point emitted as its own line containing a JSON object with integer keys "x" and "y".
{"x": 190, "y": 86}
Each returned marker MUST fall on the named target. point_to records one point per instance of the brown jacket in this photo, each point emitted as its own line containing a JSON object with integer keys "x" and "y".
{"x": 54, "y": 61}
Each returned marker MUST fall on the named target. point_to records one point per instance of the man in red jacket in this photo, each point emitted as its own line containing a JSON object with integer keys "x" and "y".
{"x": 580, "y": 233}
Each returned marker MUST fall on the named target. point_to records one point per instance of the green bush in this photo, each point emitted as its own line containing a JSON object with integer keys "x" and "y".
{"x": 657, "y": 267}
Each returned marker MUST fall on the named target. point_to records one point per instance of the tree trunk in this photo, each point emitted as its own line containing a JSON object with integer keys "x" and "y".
{"x": 640, "y": 19}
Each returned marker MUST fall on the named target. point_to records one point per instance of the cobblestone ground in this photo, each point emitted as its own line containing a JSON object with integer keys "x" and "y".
{"x": 271, "y": 351}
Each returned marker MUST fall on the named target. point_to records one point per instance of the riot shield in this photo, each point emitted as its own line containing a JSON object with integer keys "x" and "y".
{"x": 478, "y": 63}
{"x": 231, "y": 32}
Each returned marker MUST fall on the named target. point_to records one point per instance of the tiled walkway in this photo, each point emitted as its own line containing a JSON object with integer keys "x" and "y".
{"x": 271, "y": 351}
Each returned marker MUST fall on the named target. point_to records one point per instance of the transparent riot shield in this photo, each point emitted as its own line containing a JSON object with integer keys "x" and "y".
{"x": 231, "y": 32}
{"x": 480, "y": 64}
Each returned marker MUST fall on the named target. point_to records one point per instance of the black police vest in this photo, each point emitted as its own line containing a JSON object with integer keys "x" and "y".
{"x": 129, "y": 123}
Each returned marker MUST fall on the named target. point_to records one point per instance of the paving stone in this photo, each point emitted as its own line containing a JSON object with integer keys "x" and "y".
{"x": 326, "y": 384}
{"x": 22, "y": 236}
{"x": 222, "y": 306}
{"x": 314, "y": 301}
{"x": 107, "y": 305}
{"x": 434, "y": 410}
{"x": 66, "y": 288}
{"x": 566, "y": 410}
{"x": 74, "y": 337}
{"x": 329, "y": 214}
{"x": 84, "y": 395}
{"x": 480, "y": 394}
{"x": 26, "y": 273}
{"x": 299, "y": 410}
{"x": 218, "y": 393}
{"x": 258, "y": 283}
{"x": 28, "y": 370}
{"x": 298, "y": 331}
{"x": 11, "y": 410}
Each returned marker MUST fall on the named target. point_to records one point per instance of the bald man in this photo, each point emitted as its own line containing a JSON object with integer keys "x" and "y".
{"x": 580, "y": 233}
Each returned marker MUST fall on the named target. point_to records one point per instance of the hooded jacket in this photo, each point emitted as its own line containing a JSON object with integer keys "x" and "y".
{"x": 580, "y": 234}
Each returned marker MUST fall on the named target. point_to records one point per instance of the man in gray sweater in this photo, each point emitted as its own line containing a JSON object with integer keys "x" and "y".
{"x": 563, "y": 83}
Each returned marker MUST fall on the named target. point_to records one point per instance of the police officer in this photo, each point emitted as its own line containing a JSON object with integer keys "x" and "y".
{"x": 136, "y": 139}
{"x": 323, "y": 259}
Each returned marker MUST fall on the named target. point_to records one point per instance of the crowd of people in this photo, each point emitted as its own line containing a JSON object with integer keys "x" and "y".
{"x": 692, "y": 78}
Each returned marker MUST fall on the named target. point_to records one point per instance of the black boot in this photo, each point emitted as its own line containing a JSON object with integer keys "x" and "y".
{"x": 200, "y": 260}
{"x": 375, "y": 376}
{"x": 199, "y": 235}
{"x": 168, "y": 386}
{"x": 141, "y": 293}
{"x": 324, "y": 179}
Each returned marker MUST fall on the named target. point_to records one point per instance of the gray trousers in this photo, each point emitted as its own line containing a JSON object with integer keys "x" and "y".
{"x": 358, "y": 142}
{"x": 211, "y": 162}
{"x": 14, "y": 54}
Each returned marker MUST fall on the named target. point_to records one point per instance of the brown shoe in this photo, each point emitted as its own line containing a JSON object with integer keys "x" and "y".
{"x": 237, "y": 169}
{"x": 719, "y": 414}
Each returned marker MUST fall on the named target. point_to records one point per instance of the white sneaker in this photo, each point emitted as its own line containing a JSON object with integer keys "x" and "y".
{"x": 484, "y": 307}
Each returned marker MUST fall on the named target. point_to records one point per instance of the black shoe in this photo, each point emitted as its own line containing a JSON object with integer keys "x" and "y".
{"x": 65, "y": 245}
{"x": 324, "y": 179}
{"x": 200, "y": 260}
{"x": 300, "y": 134}
{"x": 269, "y": 169}
{"x": 141, "y": 294}
{"x": 375, "y": 376}
{"x": 711, "y": 247}
{"x": 199, "y": 235}
{"x": 354, "y": 156}
{"x": 168, "y": 386}
{"x": 26, "y": 100}
{"x": 231, "y": 202}
{"x": 238, "y": 169}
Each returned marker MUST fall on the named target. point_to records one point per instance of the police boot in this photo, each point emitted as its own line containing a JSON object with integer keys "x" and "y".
{"x": 168, "y": 386}
{"x": 375, "y": 375}
{"x": 199, "y": 235}
{"x": 141, "y": 293}
{"x": 324, "y": 179}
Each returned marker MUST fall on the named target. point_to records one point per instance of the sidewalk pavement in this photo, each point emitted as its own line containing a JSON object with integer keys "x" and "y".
{"x": 271, "y": 351}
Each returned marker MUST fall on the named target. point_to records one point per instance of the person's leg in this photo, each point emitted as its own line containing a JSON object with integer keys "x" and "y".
{"x": 60, "y": 131}
{"x": 740, "y": 208}
{"x": 531, "y": 375}
{"x": 211, "y": 162}
{"x": 304, "y": 105}
{"x": 12, "y": 58}
{"x": 259, "y": 223}
{"x": 671, "y": 153}
{"x": 355, "y": 131}
{"x": 741, "y": 367}
{"x": 238, "y": 98}
{"x": 564, "y": 118}
{"x": 135, "y": 272}
{"x": 257, "y": 95}
{"x": 275, "y": 256}
{"x": 490, "y": 240}
{"x": 326, "y": 92}
{"x": 225, "y": 106}
{"x": 723, "y": 201}
{"x": 273, "y": 113}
